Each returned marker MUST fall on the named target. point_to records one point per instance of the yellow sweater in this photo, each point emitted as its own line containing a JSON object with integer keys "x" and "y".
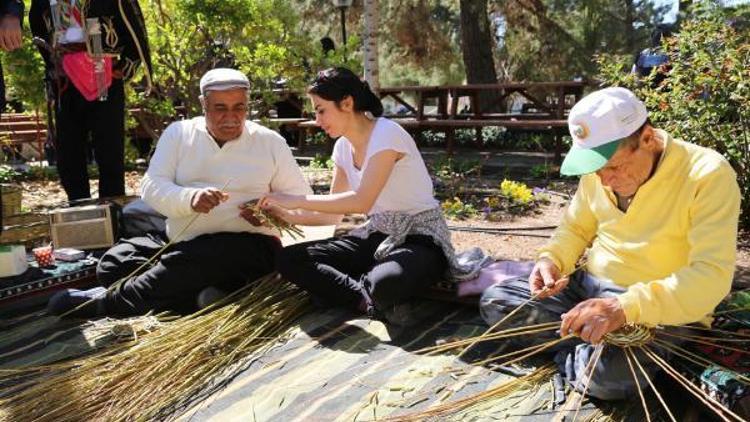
{"x": 674, "y": 250}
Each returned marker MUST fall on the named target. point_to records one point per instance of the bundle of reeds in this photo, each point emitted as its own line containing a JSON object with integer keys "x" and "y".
{"x": 456, "y": 409}
{"x": 269, "y": 220}
{"x": 631, "y": 338}
{"x": 93, "y": 337}
{"x": 168, "y": 368}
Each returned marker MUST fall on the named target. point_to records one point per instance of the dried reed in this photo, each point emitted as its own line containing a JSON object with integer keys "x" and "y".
{"x": 168, "y": 368}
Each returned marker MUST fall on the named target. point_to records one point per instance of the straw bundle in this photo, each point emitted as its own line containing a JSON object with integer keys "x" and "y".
{"x": 630, "y": 338}
{"x": 484, "y": 400}
{"x": 166, "y": 369}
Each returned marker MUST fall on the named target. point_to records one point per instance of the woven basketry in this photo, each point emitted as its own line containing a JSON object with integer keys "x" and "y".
{"x": 11, "y": 199}
{"x": 29, "y": 229}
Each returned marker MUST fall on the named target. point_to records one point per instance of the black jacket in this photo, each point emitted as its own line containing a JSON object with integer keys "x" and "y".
{"x": 117, "y": 37}
{"x": 13, "y": 7}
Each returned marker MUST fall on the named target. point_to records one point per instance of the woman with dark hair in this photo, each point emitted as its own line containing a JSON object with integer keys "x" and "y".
{"x": 405, "y": 245}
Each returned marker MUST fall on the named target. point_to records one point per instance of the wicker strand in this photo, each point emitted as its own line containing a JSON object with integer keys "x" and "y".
{"x": 630, "y": 335}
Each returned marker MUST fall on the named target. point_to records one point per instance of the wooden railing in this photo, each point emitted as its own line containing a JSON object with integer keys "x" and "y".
{"x": 543, "y": 107}
{"x": 17, "y": 129}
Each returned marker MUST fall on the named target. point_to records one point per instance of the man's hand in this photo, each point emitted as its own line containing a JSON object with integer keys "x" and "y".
{"x": 282, "y": 200}
{"x": 545, "y": 279}
{"x": 10, "y": 33}
{"x": 593, "y": 318}
{"x": 206, "y": 199}
{"x": 247, "y": 212}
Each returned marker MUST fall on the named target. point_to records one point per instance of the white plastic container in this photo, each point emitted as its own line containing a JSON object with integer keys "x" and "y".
{"x": 12, "y": 260}
{"x": 69, "y": 254}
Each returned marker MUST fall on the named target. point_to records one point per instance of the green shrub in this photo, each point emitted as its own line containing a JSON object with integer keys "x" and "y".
{"x": 322, "y": 161}
{"x": 457, "y": 209}
{"x": 541, "y": 171}
{"x": 450, "y": 175}
{"x": 8, "y": 174}
{"x": 705, "y": 98}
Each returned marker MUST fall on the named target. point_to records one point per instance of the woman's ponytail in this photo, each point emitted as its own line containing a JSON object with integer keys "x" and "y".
{"x": 336, "y": 83}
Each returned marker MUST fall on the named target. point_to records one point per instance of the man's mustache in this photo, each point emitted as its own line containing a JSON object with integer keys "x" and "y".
{"x": 229, "y": 125}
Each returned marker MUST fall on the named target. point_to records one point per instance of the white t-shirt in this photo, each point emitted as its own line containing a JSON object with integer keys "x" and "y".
{"x": 409, "y": 187}
{"x": 187, "y": 159}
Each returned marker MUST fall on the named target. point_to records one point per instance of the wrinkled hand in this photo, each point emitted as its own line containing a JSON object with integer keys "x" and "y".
{"x": 10, "y": 33}
{"x": 592, "y": 319}
{"x": 207, "y": 199}
{"x": 282, "y": 200}
{"x": 545, "y": 279}
{"x": 248, "y": 212}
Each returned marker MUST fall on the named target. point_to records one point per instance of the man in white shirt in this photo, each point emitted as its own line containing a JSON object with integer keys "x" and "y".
{"x": 206, "y": 167}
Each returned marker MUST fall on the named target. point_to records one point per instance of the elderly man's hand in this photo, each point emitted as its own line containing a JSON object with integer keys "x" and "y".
{"x": 593, "y": 318}
{"x": 10, "y": 33}
{"x": 247, "y": 212}
{"x": 545, "y": 279}
{"x": 207, "y": 199}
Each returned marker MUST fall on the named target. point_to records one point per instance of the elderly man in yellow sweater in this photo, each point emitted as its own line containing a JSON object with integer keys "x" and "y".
{"x": 659, "y": 218}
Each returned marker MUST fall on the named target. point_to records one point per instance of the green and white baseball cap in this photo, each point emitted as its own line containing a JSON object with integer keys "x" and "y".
{"x": 597, "y": 124}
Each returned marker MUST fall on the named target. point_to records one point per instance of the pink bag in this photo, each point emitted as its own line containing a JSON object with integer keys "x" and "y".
{"x": 495, "y": 273}
{"x": 80, "y": 69}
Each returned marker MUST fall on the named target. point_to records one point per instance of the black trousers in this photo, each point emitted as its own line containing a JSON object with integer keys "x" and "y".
{"x": 223, "y": 260}
{"x": 343, "y": 271}
{"x": 104, "y": 121}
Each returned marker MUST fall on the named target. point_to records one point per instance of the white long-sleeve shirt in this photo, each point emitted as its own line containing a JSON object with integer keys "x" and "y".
{"x": 187, "y": 159}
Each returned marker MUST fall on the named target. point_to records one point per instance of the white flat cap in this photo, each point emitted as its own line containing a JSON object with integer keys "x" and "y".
{"x": 221, "y": 79}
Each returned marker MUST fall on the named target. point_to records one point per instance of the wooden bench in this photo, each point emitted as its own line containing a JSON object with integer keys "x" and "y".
{"x": 449, "y": 127}
{"x": 291, "y": 122}
{"x": 544, "y": 108}
{"x": 19, "y": 129}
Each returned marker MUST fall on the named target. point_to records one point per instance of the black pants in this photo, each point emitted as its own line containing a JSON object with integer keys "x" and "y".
{"x": 78, "y": 118}
{"x": 343, "y": 271}
{"x": 223, "y": 260}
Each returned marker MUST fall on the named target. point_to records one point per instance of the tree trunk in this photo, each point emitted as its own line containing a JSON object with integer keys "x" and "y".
{"x": 476, "y": 46}
{"x": 372, "y": 69}
{"x": 630, "y": 16}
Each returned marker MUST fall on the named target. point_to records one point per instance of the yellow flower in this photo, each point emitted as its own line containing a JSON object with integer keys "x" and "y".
{"x": 492, "y": 202}
{"x": 516, "y": 191}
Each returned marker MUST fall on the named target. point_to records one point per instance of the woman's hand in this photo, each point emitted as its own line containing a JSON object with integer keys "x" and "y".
{"x": 282, "y": 200}
{"x": 248, "y": 213}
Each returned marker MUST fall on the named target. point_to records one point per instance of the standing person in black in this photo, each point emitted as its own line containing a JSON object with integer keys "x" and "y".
{"x": 81, "y": 108}
{"x": 11, "y": 16}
